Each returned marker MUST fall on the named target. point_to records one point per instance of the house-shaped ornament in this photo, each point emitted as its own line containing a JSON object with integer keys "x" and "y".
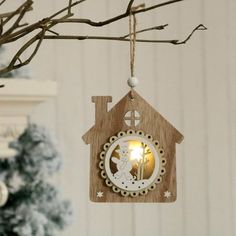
{"x": 132, "y": 152}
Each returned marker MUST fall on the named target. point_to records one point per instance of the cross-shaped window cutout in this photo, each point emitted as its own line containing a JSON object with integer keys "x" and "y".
{"x": 132, "y": 118}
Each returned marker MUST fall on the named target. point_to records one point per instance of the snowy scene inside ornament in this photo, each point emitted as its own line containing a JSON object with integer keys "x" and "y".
{"x": 132, "y": 163}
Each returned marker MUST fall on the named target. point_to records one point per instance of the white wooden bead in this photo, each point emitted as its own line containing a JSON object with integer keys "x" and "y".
{"x": 132, "y": 82}
{"x": 3, "y": 194}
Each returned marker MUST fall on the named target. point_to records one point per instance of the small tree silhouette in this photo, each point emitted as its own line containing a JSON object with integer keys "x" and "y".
{"x": 143, "y": 161}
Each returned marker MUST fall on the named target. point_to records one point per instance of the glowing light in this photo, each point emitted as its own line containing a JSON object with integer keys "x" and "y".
{"x": 136, "y": 153}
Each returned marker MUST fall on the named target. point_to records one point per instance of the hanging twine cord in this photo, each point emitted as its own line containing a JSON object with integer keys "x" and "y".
{"x": 132, "y": 37}
{"x": 133, "y": 34}
{"x": 133, "y": 81}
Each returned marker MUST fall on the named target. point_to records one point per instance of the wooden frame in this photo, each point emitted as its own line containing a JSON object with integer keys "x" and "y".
{"x": 109, "y": 123}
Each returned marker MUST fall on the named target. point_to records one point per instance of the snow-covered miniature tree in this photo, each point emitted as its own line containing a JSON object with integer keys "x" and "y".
{"x": 34, "y": 207}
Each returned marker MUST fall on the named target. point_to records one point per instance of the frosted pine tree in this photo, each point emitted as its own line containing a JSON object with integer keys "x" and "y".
{"x": 35, "y": 207}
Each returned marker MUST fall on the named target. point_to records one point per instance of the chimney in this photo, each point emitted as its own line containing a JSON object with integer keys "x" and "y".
{"x": 100, "y": 106}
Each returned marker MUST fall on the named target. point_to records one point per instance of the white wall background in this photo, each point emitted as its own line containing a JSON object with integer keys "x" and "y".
{"x": 192, "y": 85}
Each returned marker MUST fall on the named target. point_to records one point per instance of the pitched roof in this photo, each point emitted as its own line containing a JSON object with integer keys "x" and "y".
{"x": 138, "y": 100}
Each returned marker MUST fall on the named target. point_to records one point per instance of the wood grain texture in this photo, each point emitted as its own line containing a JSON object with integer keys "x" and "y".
{"x": 109, "y": 123}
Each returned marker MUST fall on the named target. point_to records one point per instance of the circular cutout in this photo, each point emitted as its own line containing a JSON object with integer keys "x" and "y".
{"x": 132, "y": 163}
{"x": 140, "y": 132}
{"x": 156, "y": 143}
{"x": 159, "y": 179}
{"x": 163, "y": 161}
{"x": 144, "y": 192}
{"x": 125, "y": 193}
{"x": 152, "y": 187}
{"x": 132, "y": 118}
{"x": 134, "y": 194}
{"x": 162, "y": 152}
{"x": 102, "y": 155}
{"x": 108, "y": 183}
{"x": 121, "y": 134}
{"x": 103, "y": 174}
{"x": 115, "y": 189}
{"x": 113, "y": 138}
{"x": 130, "y": 132}
{"x": 149, "y": 136}
{"x": 101, "y": 165}
{"x": 106, "y": 146}
{"x": 163, "y": 171}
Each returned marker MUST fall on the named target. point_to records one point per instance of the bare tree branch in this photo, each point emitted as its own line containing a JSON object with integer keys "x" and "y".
{"x": 7, "y": 14}
{"x": 53, "y": 32}
{"x": 65, "y": 15}
{"x": 17, "y": 11}
{"x": 21, "y": 33}
{"x": 12, "y": 66}
{"x": 22, "y": 12}
{"x": 69, "y": 9}
{"x": 160, "y": 27}
{"x": 75, "y": 37}
{"x": 199, "y": 27}
{"x": 1, "y": 3}
{"x": 125, "y": 39}
{"x": 116, "y": 18}
{"x": 128, "y": 10}
{"x": 66, "y": 8}
{"x": 157, "y": 6}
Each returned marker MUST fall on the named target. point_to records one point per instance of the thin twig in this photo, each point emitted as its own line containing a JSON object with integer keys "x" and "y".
{"x": 47, "y": 24}
{"x": 73, "y": 37}
{"x": 66, "y": 9}
{"x": 116, "y": 18}
{"x": 160, "y": 27}
{"x": 22, "y": 25}
{"x": 1, "y": 26}
{"x": 69, "y": 9}
{"x": 199, "y": 27}
{"x": 2, "y": 2}
{"x": 124, "y": 38}
{"x": 18, "y": 11}
{"x": 7, "y": 14}
{"x": 19, "y": 60}
{"x": 53, "y": 32}
{"x": 12, "y": 66}
{"x": 21, "y": 33}
{"x": 129, "y": 6}
{"x": 24, "y": 9}
{"x": 156, "y": 6}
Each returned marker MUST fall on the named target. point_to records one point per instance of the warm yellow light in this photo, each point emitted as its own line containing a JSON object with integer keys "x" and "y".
{"x": 136, "y": 153}
{"x": 136, "y": 150}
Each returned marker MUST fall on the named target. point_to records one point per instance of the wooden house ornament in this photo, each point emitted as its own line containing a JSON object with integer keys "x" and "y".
{"x": 132, "y": 152}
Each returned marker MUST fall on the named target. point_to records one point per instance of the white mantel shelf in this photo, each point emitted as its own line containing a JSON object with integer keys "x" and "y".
{"x": 17, "y": 100}
{"x": 27, "y": 90}
{"x": 20, "y": 96}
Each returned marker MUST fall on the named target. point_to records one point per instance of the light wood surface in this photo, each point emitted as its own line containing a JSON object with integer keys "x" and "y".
{"x": 110, "y": 123}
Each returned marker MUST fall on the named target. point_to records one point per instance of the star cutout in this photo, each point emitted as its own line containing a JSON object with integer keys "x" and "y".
{"x": 100, "y": 194}
{"x": 167, "y": 194}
